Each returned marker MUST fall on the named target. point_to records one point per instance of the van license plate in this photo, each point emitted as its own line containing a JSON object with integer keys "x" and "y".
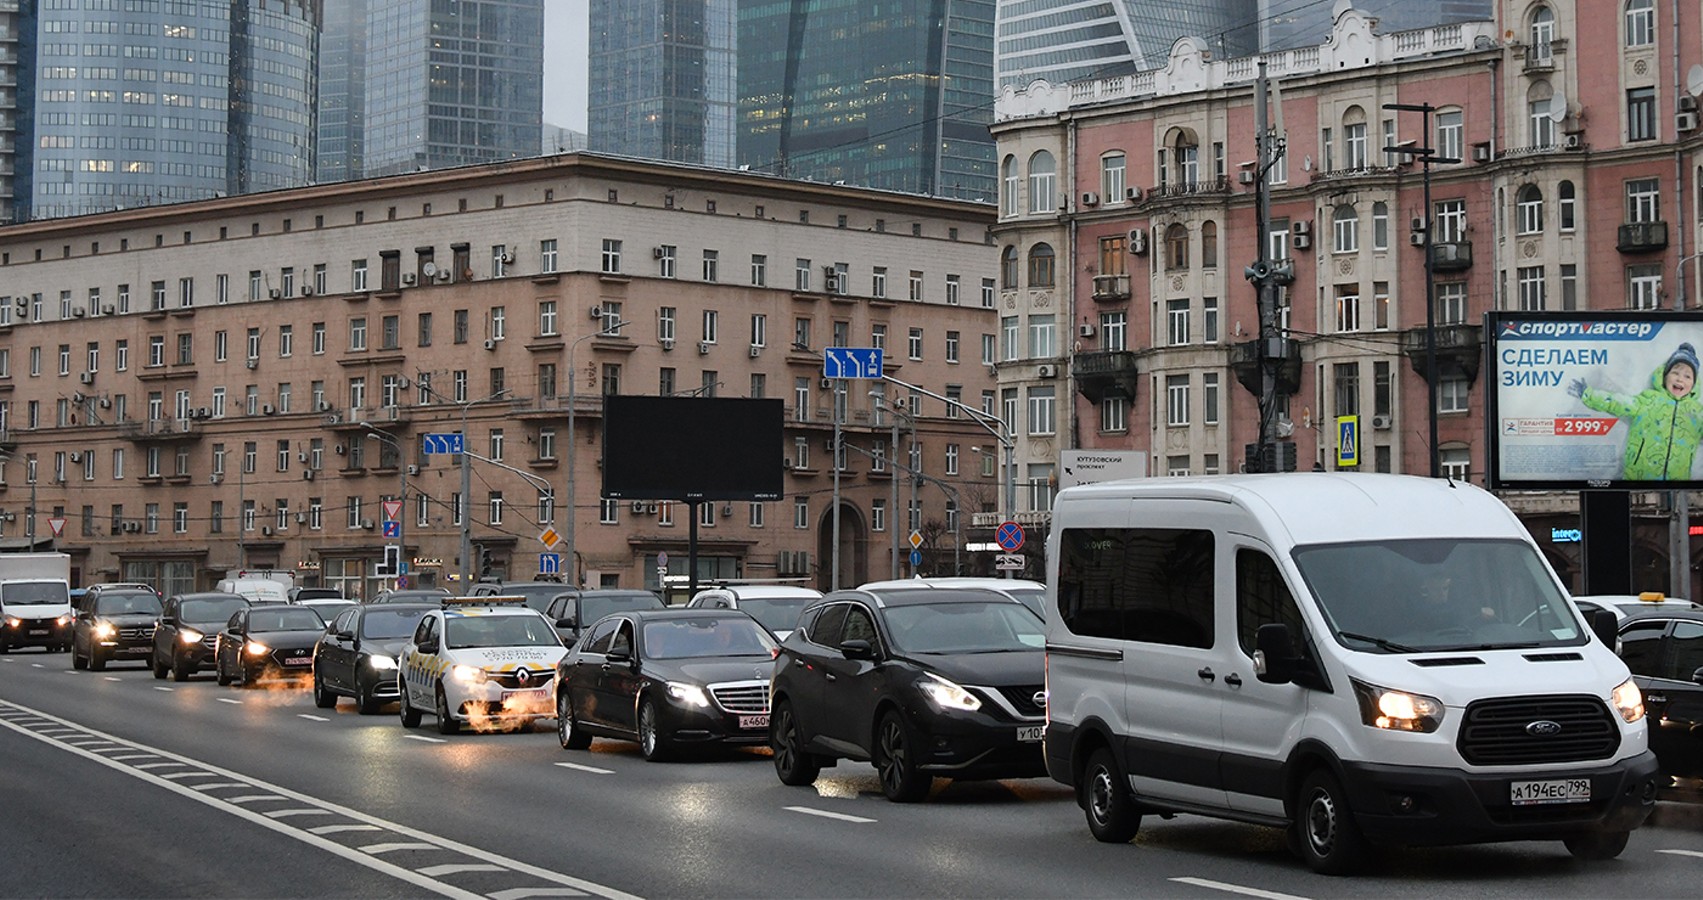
{"x": 1029, "y": 734}
{"x": 1536, "y": 793}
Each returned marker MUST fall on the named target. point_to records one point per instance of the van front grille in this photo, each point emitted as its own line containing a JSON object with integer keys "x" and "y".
{"x": 1504, "y": 731}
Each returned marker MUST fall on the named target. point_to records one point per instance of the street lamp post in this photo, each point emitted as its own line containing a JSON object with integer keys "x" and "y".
{"x": 465, "y": 509}
{"x": 571, "y": 509}
{"x": 1002, "y": 434}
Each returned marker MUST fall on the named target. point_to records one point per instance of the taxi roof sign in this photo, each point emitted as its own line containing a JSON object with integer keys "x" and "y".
{"x": 488, "y": 600}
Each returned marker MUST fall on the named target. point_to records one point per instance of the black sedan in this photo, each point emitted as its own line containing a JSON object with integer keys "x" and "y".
{"x": 189, "y": 629}
{"x": 1664, "y": 650}
{"x": 114, "y": 625}
{"x": 667, "y": 678}
{"x": 271, "y": 640}
{"x": 357, "y": 655}
{"x": 920, "y": 682}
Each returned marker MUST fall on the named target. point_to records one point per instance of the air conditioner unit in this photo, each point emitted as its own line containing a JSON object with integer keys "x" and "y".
{"x": 1381, "y": 423}
{"x": 658, "y": 252}
{"x": 413, "y": 470}
{"x": 1301, "y": 227}
{"x": 665, "y": 343}
{"x": 1686, "y": 121}
{"x": 508, "y": 259}
{"x": 726, "y": 510}
{"x": 202, "y": 412}
{"x": 408, "y": 278}
{"x": 1086, "y": 330}
{"x": 443, "y": 275}
{"x": 490, "y": 343}
{"x": 1089, "y": 198}
{"x": 1481, "y": 153}
{"x": 1138, "y": 242}
{"x": 827, "y": 383}
{"x": 266, "y": 530}
{"x": 1247, "y": 177}
{"x": 132, "y": 527}
{"x": 595, "y": 312}
{"x": 307, "y": 291}
{"x": 268, "y": 410}
{"x": 367, "y": 524}
{"x": 252, "y": 361}
{"x": 1302, "y": 241}
{"x": 704, "y": 347}
{"x": 87, "y": 378}
{"x": 1417, "y": 224}
{"x": 275, "y": 293}
{"x": 1132, "y": 194}
{"x": 638, "y": 507}
{"x": 76, "y": 457}
{"x": 1687, "y": 103}
{"x": 301, "y": 518}
{"x": 1572, "y": 141}
{"x": 1046, "y": 371}
{"x": 650, "y": 508}
{"x": 108, "y": 309}
{"x": 756, "y": 350}
{"x": 323, "y": 406}
{"x": 79, "y": 313}
{"x": 1417, "y": 239}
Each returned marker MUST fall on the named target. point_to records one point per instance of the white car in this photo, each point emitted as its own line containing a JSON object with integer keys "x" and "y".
{"x": 774, "y": 606}
{"x": 1623, "y": 605}
{"x": 484, "y": 661}
{"x": 1031, "y": 594}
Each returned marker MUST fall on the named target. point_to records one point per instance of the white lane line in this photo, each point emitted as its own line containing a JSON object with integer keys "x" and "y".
{"x": 827, "y": 815}
{"x": 113, "y": 678}
{"x": 1683, "y": 852}
{"x": 160, "y": 765}
{"x": 37, "y": 666}
{"x": 421, "y": 737}
{"x": 289, "y": 813}
{"x": 1236, "y": 889}
{"x": 376, "y": 849}
{"x": 229, "y": 700}
{"x": 312, "y": 717}
{"x": 162, "y": 687}
{"x": 592, "y": 769}
{"x": 457, "y": 868}
{"x": 215, "y": 785}
{"x": 339, "y": 829}
{"x": 134, "y": 756}
{"x": 523, "y": 893}
{"x": 252, "y": 798}
{"x": 178, "y": 776}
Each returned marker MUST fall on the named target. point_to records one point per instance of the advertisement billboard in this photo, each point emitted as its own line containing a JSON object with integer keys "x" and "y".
{"x": 1580, "y": 400}
{"x": 692, "y": 448}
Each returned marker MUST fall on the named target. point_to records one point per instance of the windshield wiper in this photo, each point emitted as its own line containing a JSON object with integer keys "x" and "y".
{"x": 1516, "y": 645}
{"x": 1379, "y": 642}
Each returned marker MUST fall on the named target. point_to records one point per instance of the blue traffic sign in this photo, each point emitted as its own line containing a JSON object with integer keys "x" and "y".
{"x": 549, "y": 563}
{"x": 1347, "y": 441}
{"x": 916, "y": 558}
{"x": 393, "y": 529}
{"x": 851, "y": 362}
{"x": 1009, "y": 536}
{"x": 441, "y": 443}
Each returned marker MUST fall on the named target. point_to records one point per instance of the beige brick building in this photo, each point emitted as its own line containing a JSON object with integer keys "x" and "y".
{"x": 244, "y": 382}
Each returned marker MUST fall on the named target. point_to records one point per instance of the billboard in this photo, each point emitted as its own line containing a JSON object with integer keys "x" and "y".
{"x": 1582, "y": 400}
{"x": 692, "y": 448}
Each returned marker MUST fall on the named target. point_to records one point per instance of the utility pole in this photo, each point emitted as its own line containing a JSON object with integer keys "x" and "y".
{"x": 1271, "y": 349}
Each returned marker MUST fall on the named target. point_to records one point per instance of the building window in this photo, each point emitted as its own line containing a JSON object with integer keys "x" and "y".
{"x": 1347, "y": 307}
{"x": 1531, "y": 289}
{"x": 1177, "y": 247}
{"x": 1380, "y": 226}
{"x": 1542, "y": 125}
{"x": 1008, "y": 262}
{"x": 665, "y": 257}
{"x": 759, "y": 270}
{"x": 1042, "y": 411}
{"x": 1041, "y": 265}
{"x": 1641, "y": 114}
{"x": 801, "y": 275}
{"x": 1209, "y": 397}
{"x": 1043, "y": 337}
{"x": 1451, "y": 302}
{"x": 1176, "y": 400}
{"x": 1640, "y": 23}
{"x": 1354, "y": 141}
{"x": 1452, "y": 394}
{"x": 1112, "y": 167}
{"x": 611, "y": 256}
{"x": 1529, "y": 210}
{"x": 1114, "y": 414}
{"x": 1043, "y": 175}
{"x": 1449, "y": 221}
{"x": 1345, "y": 229}
{"x": 1643, "y": 203}
{"x": 548, "y": 258}
{"x": 1176, "y": 322}
{"x": 1644, "y": 287}
{"x": 1009, "y": 180}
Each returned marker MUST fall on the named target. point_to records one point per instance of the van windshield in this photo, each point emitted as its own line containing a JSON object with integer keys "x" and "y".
{"x": 1447, "y": 594}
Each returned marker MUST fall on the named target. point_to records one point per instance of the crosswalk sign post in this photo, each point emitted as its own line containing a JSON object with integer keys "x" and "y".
{"x": 1347, "y": 441}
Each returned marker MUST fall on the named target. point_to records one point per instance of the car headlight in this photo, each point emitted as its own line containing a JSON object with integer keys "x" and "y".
{"x": 256, "y": 648}
{"x": 381, "y": 662}
{"x": 1629, "y": 701}
{"x": 689, "y": 694}
{"x": 1398, "y": 710}
{"x": 104, "y": 630}
{"x": 190, "y": 636}
{"x": 947, "y": 695}
{"x": 468, "y": 674}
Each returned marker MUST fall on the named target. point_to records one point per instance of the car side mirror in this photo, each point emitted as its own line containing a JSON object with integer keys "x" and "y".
{"x": 345, "y": 635}
{"x": 1605, "y": 626}
{"x": 1697, "y": 676}
{"x": 428, "y": 646}
{"x": 568, "y": 622}
{"x": 620, "y": 654}
{"x": 168, "y": 620}
{"x": 857, "y": 648}
{"x": 1274, "y": 654}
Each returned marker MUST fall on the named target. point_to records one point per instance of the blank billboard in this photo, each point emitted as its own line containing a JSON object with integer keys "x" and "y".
{"x": 692, "y": 448}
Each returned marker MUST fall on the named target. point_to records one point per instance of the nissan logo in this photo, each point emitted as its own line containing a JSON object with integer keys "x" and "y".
{"x": 522, "y": 676}
{"x": 1543, "y": 728}
{"x": 1040, "y": 699}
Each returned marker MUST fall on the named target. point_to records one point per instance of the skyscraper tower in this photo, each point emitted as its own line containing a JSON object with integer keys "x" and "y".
{"x": 342, "y": 91}
{"x": 662, "y": 79}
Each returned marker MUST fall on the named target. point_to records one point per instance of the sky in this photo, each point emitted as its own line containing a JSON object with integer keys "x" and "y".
{"x": 565, "y": 49}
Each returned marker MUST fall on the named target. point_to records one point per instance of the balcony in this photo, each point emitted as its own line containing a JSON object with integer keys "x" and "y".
{"x": 1111, "y": 288}
{"x": 1451, "y": 256}
{"x": 156, "y": 430}
{"x": 1106, "y": 373}
{"x": 1195, "y": 188}
{"x": 1539, "y": 58}
{"x": 357, "y": 418}
{"x": 1245, "y": 362}
{"x": 1642, "y": 237}
{"x": 1460, "y": 350}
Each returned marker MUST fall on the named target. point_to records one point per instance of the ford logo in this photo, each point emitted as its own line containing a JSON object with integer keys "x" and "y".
{"x": 1040, "y": 699}
{"x": 1543, "y": 728}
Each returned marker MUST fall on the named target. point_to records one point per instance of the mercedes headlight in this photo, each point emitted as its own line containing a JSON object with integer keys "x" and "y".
{"x": 946, "y": 695}
{"x": 688, "y": 694}
{"x": 1629, "y": 701}
{"x": 190, "y": 636}
{"x": 381, "y": 662}
{"x": 1398, "y": 710}
{"x": 104, "y": 630}
{"x": 468, "y": 674}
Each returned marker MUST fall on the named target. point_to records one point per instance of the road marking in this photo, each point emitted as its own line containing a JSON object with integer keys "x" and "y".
{"x": 287, "y": 813}
{"x": 251, "y": 798}
{"x": 339, "y": 829}
{"x": 523, "y": 893}
{"x": 159, "y": 765}
{"x": 421, "y": 737}
{"x": 827, "y": 815}
{"x": 454, "y": 868}
{"x": 37, "y": 666}
{"x": 592, "y": 769}
{"x": 229, "y": 700}
{"x": 312, "y": 717}
{"x": 113, "y": 678}
{"x": 1683, "y": 852}
{"x": 1237, "y": 889}
{"x": 162, "y": 687}
{"x": 134, "y": 756}
{"x": 215, "y": 785}
{"x": 178, "y": 776}
{"x": 376, "y": 849}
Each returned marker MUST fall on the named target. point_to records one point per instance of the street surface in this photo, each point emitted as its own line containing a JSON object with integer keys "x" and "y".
{"x": 114, "y": 784}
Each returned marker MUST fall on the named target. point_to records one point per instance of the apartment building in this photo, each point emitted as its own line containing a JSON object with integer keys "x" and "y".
{"x": 246, "y": 381}
{"x": 1127, "y": 204}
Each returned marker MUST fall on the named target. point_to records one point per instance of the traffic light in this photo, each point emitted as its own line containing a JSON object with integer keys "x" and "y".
{"x": 484, "y": 564}
{"x": 392, "y": 565}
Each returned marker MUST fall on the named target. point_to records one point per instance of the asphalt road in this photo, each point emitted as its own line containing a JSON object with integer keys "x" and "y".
{"x": 113, "y": 784}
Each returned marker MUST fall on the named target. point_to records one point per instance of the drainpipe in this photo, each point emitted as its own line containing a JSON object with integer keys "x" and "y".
{"x": 1067, "y": 328}
{"x": 1679, "y": 528}
{"x": 1495, "y": 239}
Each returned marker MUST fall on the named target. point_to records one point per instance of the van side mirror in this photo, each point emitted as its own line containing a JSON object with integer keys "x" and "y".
{"x": 1605, "y": 626}
{"x": 1274, "y": 654}
{"x": 857, "y": 648}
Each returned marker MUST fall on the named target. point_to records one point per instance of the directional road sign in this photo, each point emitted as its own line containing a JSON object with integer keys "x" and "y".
{"x": 549, "y": 563}
{"x": 1009, "y": 536}
{"x": 916, "y": 558}
{"x": 851, "y": 362}
{"x": 441, "y": 443}
{"x": 1347, "y": 441}
{"x": 392, "y": 529}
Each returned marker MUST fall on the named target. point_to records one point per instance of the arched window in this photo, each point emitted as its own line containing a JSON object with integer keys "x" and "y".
{"x": 1041, "y": 266}
{"x": 1008, "y": 269}
{"x": 1640, "y": 23}
{"x": 1541, "y": 33}
{"x": 1177, "y": 247}
{"x": 1539, "y": 117}
{"x": 1043, "y": 182}
{"x": 1567, "y": 206}
{"x": 1345, "y": 229}
{"x": 1356, "y": 149}
{"x": 1009, "y": 180}
{"x": 1209, "y": 245}
{"x": 1528, "y": 210}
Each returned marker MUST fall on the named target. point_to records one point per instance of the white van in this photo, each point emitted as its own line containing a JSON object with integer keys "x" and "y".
{"x": 257, "y": 590}
{"x": 1362, "y": 659}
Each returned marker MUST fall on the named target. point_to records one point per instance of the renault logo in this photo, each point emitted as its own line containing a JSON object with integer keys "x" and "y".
{"x": 522, "y": 676}
{"x": 1543, "y": 728}
{"x": 1040, "y": 699}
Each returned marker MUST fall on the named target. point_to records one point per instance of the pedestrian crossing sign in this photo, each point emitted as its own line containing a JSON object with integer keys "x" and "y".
{"x": 1347, "y": 441}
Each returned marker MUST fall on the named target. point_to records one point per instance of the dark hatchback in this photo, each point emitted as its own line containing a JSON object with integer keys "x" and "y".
{"x": 1664, "y": 650}
{"x": 269, "y": 640}
{"x": 357, "y": 655}
{"x": 667, "y": 678}
{"x": 920, "y": 682}
{"x": 189, "y": 630}
{"x": 113, "y": 625}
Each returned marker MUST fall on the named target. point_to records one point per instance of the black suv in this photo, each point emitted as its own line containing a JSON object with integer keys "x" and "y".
{"x": 113, "y": 624}
{"x": 357, "y": 656}
{"x": 538, "y": 594}
{"x": 189, "y": 630}
{"x": 1664, "y": 650}
{"x": 921, "y": 682}
{"x": 571, "y": 611}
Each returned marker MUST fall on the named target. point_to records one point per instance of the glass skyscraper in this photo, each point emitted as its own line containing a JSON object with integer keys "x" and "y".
{"x": 342, "y": 91}
{"x": 451, "y": 83}
{"x": 157, "y": 101}
{"x": 895, "y": 94}
{"x": 662, "y": 80}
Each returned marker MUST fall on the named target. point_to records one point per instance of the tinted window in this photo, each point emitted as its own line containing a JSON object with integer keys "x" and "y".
{"x": 776, "y": 613}
{"x": 426, "y": 630}
{"x": 389, "y": 624}
{"x": 125, "y": 604}
{"x": 598, "y": 640}
{"x": 1641, "y": 647}
{"x": 1685, "y": 650}
{"x": 293, "y": 618}
{"x": 828, "y": 625}
{"x": 623, "y": 642}
{"x": 216, "y": 610}
{"x": 732, "y": 635}
{"x": 1262, "y": 598}
{"x": 962, "y": 627}
{"x": 346, "y": 622}
{"x": 859, "y": 626}
{"x": 1138, "y": 584}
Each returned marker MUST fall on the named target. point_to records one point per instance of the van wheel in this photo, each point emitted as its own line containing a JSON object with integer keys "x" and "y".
{"x": 795, "y": 766}
{"x": 1328, "y": 838}
{"x": 1597, "y": 845}
{"x": 1112, "y": 816}
{"x": 896, "y": 763}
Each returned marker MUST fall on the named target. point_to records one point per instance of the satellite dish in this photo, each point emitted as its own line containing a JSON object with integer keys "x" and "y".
{"x": 1694, "y": 80}
{"x": 1558, "y": 106}
{"x": 429, "y": 269}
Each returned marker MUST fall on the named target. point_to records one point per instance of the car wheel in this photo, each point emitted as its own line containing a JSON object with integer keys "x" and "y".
{"x": 97, "y": 662}
{"x": 219, "y": 674}
{"x": 568, "y": 731}
{"x": 794, "y": 765}
{"x": 1111, "y": 812}
{"x": 651, "y": 743}
{"x": 322, "y": 698}
{"x": 1326, "y": 834}
{"x": 446, "y": 723}
{"x": 159, "y": 667}
{"x": 77, "y": 659}
{"x": 895, "y": 761}
{"x": 365, "y": 702}
{"x": 180, "y": 670}
{"x": 1597, "y": 845}
{"x": 410, "y": 715}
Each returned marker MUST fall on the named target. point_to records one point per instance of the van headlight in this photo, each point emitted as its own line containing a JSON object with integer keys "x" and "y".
{"x": 1629, "y": 701}
{"x": 1398, "y": 710}
{"x": 688, "y": 694}
{"x": 468, "y": 674}
{"x": 946, "y": 695}
{"x": 64, "y": 619}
